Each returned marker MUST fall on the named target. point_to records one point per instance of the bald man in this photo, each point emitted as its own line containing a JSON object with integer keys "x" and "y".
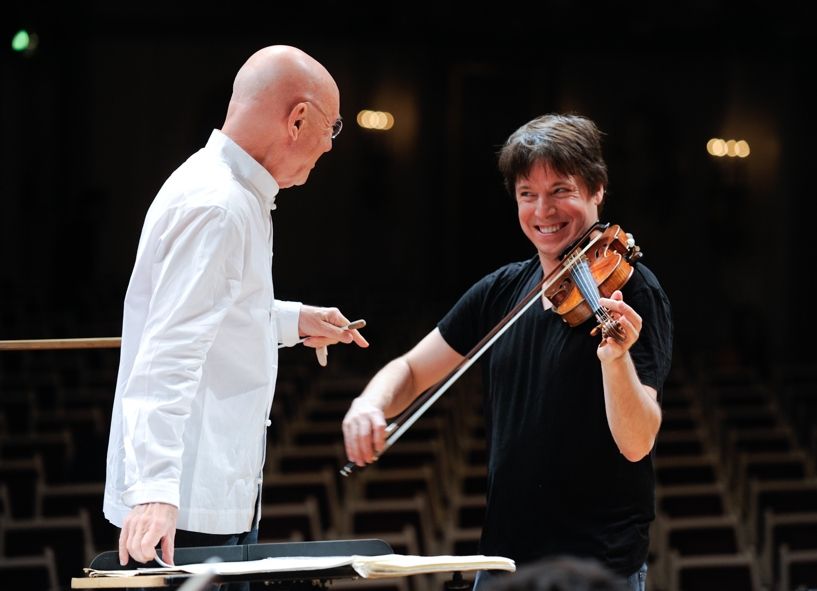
{"x": 201, "y": 324}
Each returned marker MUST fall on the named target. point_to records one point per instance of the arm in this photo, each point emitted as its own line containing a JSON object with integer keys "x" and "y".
{"x": 320, "y": 326}
{"x": 633, "y": 413}
{"x": 391, "y": 391}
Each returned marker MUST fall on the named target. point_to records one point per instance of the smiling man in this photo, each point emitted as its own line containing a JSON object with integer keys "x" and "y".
{"x": 571, "y": 419}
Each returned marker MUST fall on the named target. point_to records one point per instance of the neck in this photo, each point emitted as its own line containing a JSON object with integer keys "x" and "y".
{"x": 548, "y": 264}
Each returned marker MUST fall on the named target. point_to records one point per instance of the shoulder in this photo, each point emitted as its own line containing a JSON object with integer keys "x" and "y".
{"x": 646, "y": 295}
{"x": 204, "y": 184}
{"x": 501, "y": 287}
{"x": 645, "y": 275}
{"x": 512, "y": 273}
{"x": 643, "y": 279}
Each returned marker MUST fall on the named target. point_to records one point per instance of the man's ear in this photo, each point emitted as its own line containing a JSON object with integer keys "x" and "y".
{"x": 598, "y": 197}
{"x": 295, "y": 121}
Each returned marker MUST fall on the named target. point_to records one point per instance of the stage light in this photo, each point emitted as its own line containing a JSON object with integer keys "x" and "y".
{"x": 20, "y": 41}
{"x": 24, "y": 42}
{"x": 731, "y": 148}
{"x": 716, "y": 147}
{"x": 376, "y": 120}
{"x": 742, "y": 149}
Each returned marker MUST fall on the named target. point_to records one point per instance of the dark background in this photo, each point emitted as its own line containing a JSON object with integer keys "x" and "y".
{"x": 394, "y": 226}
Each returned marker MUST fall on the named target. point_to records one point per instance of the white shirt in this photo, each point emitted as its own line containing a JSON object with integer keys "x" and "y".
{"x": 199, "y": 351}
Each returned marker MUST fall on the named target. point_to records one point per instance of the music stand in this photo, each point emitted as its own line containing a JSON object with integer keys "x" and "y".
{"x": 293, "y": 580}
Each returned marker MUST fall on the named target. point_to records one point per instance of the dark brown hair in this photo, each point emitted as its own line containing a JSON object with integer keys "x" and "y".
{"x": 570, "y": 144}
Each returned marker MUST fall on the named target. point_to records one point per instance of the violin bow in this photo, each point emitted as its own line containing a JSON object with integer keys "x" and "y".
{"x": 50, "y": 344}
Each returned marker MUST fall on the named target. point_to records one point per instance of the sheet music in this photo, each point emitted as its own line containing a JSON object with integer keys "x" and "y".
{"x": 386, "y": 565}
{"x": 393, "y": 565}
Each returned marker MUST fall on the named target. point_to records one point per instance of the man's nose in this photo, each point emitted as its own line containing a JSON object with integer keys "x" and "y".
{"x": 545, "y": 207}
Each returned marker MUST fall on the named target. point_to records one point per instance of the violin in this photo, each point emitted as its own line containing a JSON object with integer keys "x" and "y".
{"x": 595, "y": 265}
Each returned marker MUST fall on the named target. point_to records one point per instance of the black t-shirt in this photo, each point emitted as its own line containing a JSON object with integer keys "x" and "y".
{"x": 557, "y": 483}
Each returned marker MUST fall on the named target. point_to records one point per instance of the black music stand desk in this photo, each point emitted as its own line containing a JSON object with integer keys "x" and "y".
{"x": 296, "y": 580}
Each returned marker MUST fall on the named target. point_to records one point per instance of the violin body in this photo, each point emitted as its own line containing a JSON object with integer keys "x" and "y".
{"x": 610, "y": 254}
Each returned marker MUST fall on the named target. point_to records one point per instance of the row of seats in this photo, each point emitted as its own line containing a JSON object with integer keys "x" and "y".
{"x": 735, "y": 479}
{"x": 736, "y": 491}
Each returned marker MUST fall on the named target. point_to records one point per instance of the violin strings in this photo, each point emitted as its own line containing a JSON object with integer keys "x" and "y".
{"x": 580, "y": 271}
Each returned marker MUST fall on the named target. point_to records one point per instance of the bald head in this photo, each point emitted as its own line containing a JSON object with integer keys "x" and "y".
{"x": 272, "y": 94}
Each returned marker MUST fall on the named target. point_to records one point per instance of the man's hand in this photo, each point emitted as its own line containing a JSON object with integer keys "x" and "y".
{"x": 144, "y": 526}
{"x": 324, "y": 326}
{"x": 364, "y": 431}
{"x": 610, "y": 349}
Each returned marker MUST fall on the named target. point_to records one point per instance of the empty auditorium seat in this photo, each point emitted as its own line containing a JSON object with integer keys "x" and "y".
{"x": 784, "y": 496}
{"x": 682, "y": 442}
{"x": 399, "y": 483}
{"x": 288, "y": 459}
{"x": 798, "y": 569}
{"x": 796, "y": 531}
{"x": 292, "y": 487}
{"x": 714, "y": 573}
{"x": 461, "y": 541}
{"x": 372, "y": 517}
{"x": 30, "y": 572}
{"x": 695, "y": 536}
{"x": 64, "y": 500}
{"x": 470, "y": 480}
{"x": 282, "y": 521}
{"x": 68, "y": 537}
{"x": 767, "y": 467}
{"x": 414, "y": 454}
{"x": 686, "y": 470}
{"x": 692, "y": 500}
{"x": 55, "y": 449}
{"x": 21, "y": 478}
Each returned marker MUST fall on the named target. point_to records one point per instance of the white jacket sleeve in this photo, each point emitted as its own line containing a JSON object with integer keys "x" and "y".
{"x": 286, "y": 317}
{"x": 195, "y": 278}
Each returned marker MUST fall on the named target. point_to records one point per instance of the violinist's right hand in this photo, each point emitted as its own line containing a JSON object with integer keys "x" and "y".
{"x": 364, "y": 431}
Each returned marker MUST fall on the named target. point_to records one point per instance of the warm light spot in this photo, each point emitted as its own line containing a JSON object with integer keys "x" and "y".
{"x": 742, "y": 149}
{"x": 716, "y": 147}
{"x": 732, "y": 148}
{"x": 377, "y": 120}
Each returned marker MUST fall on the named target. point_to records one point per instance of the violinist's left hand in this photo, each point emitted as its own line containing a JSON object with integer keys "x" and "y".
{"x": 609, "y": 349}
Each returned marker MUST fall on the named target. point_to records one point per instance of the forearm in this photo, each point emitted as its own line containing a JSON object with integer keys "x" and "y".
{"x": 632, "y": 410}
{"x": 392, "y": 389}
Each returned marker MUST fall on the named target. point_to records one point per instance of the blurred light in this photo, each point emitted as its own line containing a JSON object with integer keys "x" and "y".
{"x": 377, "y": 120}
{"x": 24, "y": 42}
{"x": 20, "y": 41}
{"x": 732, "y": 148}
{"x": 716, "y": 147}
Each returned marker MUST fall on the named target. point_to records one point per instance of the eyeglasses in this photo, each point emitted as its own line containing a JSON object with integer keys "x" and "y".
{"x": 336, "y": 126}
